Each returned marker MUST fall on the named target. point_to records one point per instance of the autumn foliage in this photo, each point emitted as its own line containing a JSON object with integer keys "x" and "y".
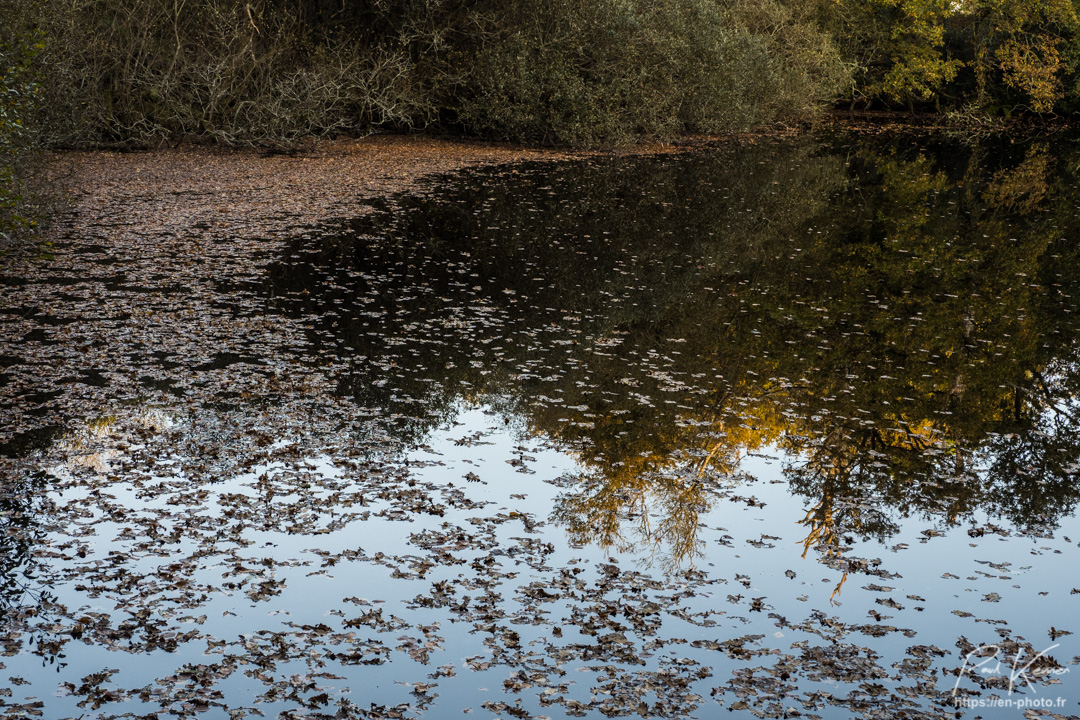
{"x": 988, "y": 56}
{"x": 557, "y": 72}
{"x": 566, "y": 72}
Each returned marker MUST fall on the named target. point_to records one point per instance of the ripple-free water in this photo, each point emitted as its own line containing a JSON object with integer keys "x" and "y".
{"x": 787, "y": 429}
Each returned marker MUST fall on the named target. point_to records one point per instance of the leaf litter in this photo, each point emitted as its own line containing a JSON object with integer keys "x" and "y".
{"x": 533, "y": 440}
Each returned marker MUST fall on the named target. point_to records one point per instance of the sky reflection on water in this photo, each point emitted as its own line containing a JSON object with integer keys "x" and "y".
{"x": 785, "y": 427}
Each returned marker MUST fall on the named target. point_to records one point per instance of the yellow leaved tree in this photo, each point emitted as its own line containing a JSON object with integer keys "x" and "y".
{"x": 898, "y": 46}
{"x": 1019, "y": 43}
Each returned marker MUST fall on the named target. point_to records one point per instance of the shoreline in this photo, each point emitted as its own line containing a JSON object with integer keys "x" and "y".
{"x": 228, "y": 189}
{"x": 167, "y": 189}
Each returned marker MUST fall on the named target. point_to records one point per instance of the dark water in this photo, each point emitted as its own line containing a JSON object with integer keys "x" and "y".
{"x": 788, "y": 429}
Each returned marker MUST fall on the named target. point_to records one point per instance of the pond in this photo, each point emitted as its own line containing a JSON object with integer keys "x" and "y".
{"x": 787, "y": 428}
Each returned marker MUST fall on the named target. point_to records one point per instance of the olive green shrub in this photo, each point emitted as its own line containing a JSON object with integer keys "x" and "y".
{"x": 238, "y": 72}
{"x": 575, "y": 71}
{"x": 19, "y": 89}
{"x": 547, "y": 71}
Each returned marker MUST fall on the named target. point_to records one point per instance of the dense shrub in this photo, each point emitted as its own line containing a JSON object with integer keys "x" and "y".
{"x": 142, "y": 70}
{"x": 18, "y": 96}
{"x": 552, "y": 71}
{"x": 570, "y": 71}
{"x": 560, "y": 71}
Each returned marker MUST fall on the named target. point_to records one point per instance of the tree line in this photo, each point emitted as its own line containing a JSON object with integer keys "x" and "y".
{"x": 547, "y": 71}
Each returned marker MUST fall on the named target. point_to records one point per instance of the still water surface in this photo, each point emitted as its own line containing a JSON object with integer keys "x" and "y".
{"x": 788, "y": 429}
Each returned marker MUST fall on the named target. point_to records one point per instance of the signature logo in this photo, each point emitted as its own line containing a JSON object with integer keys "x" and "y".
{"x": 988, "y": 660}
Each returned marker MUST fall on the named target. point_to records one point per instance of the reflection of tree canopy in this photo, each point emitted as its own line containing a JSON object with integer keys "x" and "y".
{"x": 897, "y": 319}
{"x": 22, "y": 508}
{"x": 19, "y": 534}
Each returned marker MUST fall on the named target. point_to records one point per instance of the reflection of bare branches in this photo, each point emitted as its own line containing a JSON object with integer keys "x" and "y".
{"x": 1046, "y": 397}
{"x": 836, "y": 465}
{"x": 23, "y": 593}
{"x": 15, "y": 587}
{"x": 823, "y": 535}
{"x": 819, "y": 519}
{"x": 836, "y": 590}
{"x": 726, "y": 467}
{"x": 599, "y": 511}
{"x": 678, "y": 528}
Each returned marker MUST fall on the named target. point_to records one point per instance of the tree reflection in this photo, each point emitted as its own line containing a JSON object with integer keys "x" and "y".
{"x": 26, "y": 602}
{"x": 896, "y": 318}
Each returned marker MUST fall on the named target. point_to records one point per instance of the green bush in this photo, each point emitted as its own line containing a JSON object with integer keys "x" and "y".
{"x": 18, "y": 96}
{"x": 554, "y": 71}
{"x": 239, "y": 72}
{"x": 602, "y": 71}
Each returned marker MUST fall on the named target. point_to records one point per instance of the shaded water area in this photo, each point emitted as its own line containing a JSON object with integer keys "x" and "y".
{"x": 787, "y": 429}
